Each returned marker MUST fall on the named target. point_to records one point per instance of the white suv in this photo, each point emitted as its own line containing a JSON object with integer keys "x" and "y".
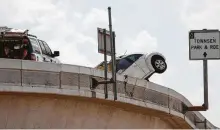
{"x": 138, "y": 65}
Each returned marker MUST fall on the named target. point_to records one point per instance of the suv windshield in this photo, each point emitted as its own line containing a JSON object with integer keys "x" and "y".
{"x": 13, "y": 47}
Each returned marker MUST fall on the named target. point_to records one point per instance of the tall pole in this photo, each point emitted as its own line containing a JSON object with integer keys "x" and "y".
{"x": 105, "y": 61}
{"x": 205, "y": 80}
{"x": 114, "y": 62}
{"x": 112, "y": 52}
{"x": 110, "y": 29}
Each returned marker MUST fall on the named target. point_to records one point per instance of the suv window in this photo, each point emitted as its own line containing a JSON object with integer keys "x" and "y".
{"x": 42, "y": 47}
{"x": 13, "y": 47}
{"x": 48, "y": 50}
{"x": 124, "y": 63}
{"x": 131, "y": 58}
{"x": 35, "y": 45}
{"x": 137, "y": 56}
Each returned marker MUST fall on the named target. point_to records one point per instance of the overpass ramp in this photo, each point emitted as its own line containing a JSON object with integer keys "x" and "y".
{"x": 45, "y": 95}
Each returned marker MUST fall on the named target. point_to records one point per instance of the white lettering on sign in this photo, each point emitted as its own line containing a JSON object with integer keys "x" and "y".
{"x": 204, "y": 44}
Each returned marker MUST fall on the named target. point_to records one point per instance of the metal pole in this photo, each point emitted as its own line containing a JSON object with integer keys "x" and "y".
{"x": 110, "y": 30}
{"x": 105, "y": 61}
{"x": 114, "y": 62}
{"x": 112, "y": 54}
{"x": 205, "y": 106}
{"x": 205, "y": 80}
{"x": 205, "y": 124}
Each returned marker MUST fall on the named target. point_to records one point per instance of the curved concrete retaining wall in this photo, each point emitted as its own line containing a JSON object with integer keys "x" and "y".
{"x": 46, "y": 78}
{"x": 45, "y": 111}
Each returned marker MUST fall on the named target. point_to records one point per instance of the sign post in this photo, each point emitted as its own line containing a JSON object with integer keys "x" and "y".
{"x": 114, "y": 68}
{"x": 103, "y": 38}
{"x": 205, "y": 82}
{"x": 204, "y": 45}
{"x": 106, "y": 46}
{"x": 106, "y": 68}
{"x": 112, "y": 38}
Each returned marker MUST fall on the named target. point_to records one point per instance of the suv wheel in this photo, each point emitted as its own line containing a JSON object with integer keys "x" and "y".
{"x": 158, "y": 64}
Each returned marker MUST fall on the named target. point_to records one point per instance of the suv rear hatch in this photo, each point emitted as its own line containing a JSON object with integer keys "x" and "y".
{"x": 12, "y": 46}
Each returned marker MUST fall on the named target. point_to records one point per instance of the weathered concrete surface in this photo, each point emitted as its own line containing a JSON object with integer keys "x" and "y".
{"x": 45, "y": 111}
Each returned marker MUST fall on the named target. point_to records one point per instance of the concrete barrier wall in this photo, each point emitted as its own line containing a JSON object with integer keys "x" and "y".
{"x": 59, "y": 77}
{"x": 62, "y": 112}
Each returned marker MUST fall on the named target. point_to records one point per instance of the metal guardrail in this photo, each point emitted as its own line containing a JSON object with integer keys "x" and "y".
{"x": 74, "y": 77}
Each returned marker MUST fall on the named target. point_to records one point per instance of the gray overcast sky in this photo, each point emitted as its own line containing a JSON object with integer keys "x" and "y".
{"x": 141, "y": 26}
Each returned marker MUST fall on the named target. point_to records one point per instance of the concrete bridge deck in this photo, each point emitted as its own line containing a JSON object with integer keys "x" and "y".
{"x": 45, "y": 95}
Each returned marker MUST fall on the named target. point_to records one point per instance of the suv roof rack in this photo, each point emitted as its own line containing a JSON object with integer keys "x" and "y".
{"x": 32, "y": 35}
{"x": 26, "y": 31}
{"x": 5, "y": 29}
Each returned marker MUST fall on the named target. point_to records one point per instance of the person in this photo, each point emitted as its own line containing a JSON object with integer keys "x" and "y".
{"x": 21, "y": 50}
{"x": 24, "y": 51}
{"x": 6, "y": 52}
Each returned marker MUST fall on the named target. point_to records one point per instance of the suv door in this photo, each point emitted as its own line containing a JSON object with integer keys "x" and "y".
{"x": 48, "y": 53}
{"x": 132, "y": 68}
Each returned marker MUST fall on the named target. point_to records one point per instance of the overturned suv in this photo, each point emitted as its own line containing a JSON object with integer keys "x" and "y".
{"x": 18, "y": 44}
